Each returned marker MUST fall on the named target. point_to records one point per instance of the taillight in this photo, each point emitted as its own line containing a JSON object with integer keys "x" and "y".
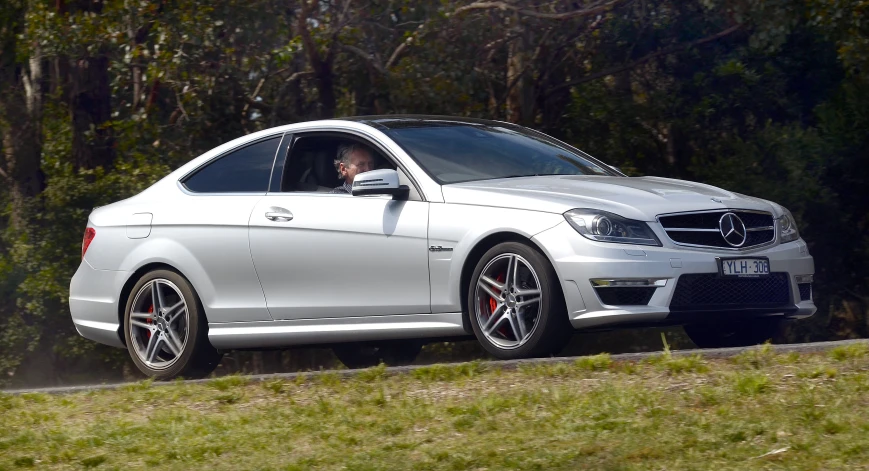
{"x": 89, "y": 235}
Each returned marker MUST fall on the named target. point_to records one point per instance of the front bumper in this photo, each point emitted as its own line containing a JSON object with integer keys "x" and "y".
{"x": 578, "y": 260}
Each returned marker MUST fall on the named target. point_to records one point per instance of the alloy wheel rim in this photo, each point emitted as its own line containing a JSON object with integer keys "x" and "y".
{"x": 159, "y": 324}
{"x": 508, "y": 301}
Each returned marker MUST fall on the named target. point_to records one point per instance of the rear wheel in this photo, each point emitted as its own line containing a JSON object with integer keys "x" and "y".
{"x": 742, "y": 334}
{"x": 516, "y": 304}
{"x": 165, "y": 328}
{"x": 391, "y": 353}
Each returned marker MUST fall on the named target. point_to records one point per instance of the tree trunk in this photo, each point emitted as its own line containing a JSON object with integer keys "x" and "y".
{"x": 91, "y": 109}
{"x": 520, "y": 97}
{"x": 22, "y": 151}
{"x": 326, "y": 89}
{"x": 21, "y": 106}
{"x": 322, "y": 66}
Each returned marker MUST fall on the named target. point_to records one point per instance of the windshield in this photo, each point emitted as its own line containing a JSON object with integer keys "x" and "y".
{"x": 460, "y": 152}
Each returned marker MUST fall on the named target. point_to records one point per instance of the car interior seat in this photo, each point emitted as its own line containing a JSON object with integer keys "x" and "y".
{"x": 324, "y": 172}
{"x": 314, "y": 168}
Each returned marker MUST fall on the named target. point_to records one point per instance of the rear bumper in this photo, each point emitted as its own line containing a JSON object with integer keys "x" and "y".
{"x": 578, "y": 260}
{"x": 93, "y": 304}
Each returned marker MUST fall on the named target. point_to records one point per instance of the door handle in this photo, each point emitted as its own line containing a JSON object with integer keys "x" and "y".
{"x": 279, "y": 216}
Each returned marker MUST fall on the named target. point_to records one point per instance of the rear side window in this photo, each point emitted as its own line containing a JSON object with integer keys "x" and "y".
{"x": 245, "y": 170}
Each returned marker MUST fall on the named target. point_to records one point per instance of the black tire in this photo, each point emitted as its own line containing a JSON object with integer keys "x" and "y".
{"x": 365, "y": 355}
{"x": 198, "y": 357}
{"x": 738, "y": 334}
{"x": 552, "y": 329}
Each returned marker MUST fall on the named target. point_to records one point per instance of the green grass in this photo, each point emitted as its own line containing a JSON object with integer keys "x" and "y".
{"x": 759, "y": 410}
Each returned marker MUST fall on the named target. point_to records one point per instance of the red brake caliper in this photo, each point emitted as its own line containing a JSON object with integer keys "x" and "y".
{"x": 150, "y": 311}
{"x": 493, "y": 304}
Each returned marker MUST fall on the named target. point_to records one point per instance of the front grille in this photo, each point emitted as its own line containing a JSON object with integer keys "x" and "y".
{"x": 702, "y": 229}
{"x": 625, "y": 296}
{"x": 805, "y": 291}
{"x": 710, "y": 291}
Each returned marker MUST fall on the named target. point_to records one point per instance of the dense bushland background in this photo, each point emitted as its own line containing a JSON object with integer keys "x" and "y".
{"x": 98, "y": 99}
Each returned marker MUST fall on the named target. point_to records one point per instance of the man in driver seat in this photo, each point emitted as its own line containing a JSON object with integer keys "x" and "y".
{"x": 352, "y": 159}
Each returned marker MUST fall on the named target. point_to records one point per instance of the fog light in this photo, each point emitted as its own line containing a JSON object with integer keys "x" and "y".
{"x": 804, "y": 278}
{"x": 622, "y": 282}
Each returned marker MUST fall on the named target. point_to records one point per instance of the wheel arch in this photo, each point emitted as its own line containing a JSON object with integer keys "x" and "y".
{"x": 134, "y": 278}
{"x": 474, "y": 255}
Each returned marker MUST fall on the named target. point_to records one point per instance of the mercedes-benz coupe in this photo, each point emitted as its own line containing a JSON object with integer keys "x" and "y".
{"x": 460, "y": 227}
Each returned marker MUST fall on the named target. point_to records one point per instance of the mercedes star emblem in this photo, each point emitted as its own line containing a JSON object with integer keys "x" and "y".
{"x": 732, "y": 229}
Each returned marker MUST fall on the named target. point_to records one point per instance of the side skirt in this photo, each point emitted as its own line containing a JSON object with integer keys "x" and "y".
{"x": 267, "y": 334}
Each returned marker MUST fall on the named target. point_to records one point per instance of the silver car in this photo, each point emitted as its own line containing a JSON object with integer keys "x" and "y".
{"x": 463, "y": 227}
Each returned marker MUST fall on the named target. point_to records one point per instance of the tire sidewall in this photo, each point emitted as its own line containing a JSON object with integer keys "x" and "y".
{"x": 552, "y": 303}
{"x": 194, "y": 325}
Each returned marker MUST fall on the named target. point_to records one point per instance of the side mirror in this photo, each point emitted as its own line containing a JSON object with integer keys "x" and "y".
{"x": 379, "y": 182}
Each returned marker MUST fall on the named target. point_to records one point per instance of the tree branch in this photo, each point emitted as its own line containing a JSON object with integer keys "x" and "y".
{"x": 419, "y": 33}
{"x": 397, "y": 52}
{"x": 630, "y": 65}
{"x": 366, "y": 56}
{"x": 252, "y": 97}
{"x": 251, "y": 103}
{"x": 297, "y": 76}
{"x": 307, "y": 41}
{"x": 593, "y": 10}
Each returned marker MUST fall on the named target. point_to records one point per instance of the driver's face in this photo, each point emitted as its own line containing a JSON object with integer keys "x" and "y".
{"x": 360, "y": 161}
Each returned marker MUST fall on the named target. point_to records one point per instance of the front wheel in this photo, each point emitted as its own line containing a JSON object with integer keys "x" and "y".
{"x": 165, "y": 328}
{"x": 516, "y": 305}
{"x": 738, "y": 334}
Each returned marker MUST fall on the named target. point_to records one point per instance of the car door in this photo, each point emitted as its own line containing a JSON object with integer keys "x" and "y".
{"x": 208, "y": 226}
{"x": 323, "y": 255}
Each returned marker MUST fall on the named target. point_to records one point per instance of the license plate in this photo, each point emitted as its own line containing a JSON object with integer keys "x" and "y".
{"x": 743, "y": 267}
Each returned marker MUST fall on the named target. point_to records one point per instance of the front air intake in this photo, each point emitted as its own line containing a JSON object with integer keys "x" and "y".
{"x": 708, "y": 291}
{"x": 625, "y": 296}
{"x": 805, "y": 291}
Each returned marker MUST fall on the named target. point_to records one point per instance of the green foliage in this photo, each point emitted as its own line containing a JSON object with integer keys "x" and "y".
{"x": 595, "y": 362}
{"x": 751, "y": 384}
{"x": 227, "y": 383}
{"x": 756, "y": 358}
{"x": 850, "y": 352}
{"x": 679, "y": 363}
{"x": 448, "y": 372}
{"x": 94, "y": 461}
{"x": 372, "y": 374}
{"x": 276, "y": 386}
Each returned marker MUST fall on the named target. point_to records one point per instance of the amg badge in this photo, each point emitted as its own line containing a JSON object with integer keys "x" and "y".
{"x": 438, "y": 248}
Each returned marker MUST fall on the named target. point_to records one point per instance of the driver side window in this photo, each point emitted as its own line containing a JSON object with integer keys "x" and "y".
{"x": 312, "y": 164}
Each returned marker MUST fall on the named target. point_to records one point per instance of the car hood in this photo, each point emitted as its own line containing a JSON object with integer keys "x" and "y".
{"x": 640, "y": 198}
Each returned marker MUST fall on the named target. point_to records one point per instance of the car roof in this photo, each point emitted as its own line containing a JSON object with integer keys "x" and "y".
{"x": 400, "y": 121}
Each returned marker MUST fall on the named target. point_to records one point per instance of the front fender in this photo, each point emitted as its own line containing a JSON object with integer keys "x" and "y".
{"x": 462, "y": 228}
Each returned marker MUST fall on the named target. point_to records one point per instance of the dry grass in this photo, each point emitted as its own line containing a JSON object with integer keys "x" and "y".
{"x": 757, "y": 411}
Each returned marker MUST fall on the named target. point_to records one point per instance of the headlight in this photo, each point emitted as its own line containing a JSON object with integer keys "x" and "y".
{"x": 608, "y": 227}
{"x": 787, "y": 227}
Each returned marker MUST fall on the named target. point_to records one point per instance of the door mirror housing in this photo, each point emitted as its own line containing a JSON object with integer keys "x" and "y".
{"x": 379, "y": 182}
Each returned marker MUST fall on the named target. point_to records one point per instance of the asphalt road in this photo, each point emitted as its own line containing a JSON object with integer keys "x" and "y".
{"x": 505, "y": 364}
